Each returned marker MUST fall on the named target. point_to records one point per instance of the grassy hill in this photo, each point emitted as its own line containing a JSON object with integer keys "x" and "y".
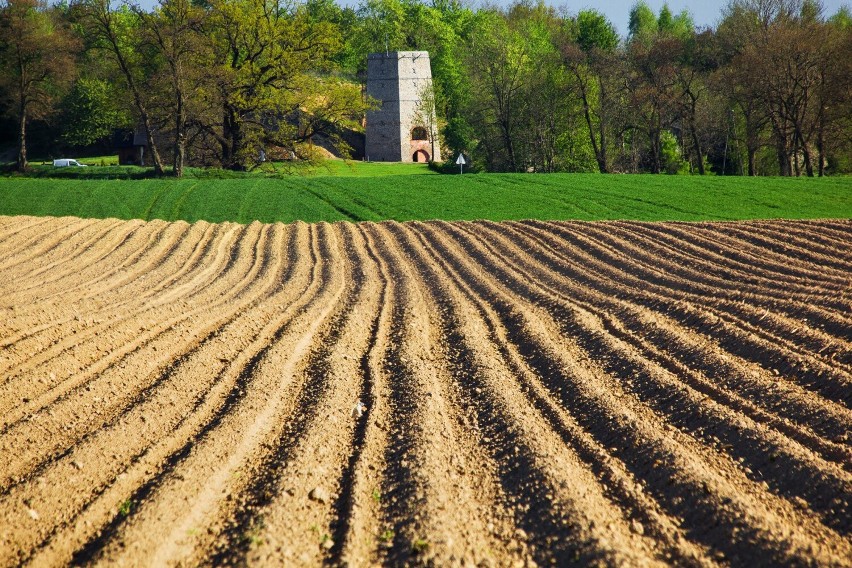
{"x": 364, "y": 194}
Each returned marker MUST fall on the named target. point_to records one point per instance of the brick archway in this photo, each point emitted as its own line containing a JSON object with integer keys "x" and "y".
{"x": 420, "y": 156}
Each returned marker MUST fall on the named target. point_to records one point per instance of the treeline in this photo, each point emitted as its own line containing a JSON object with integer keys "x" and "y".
{"x": 525, "y": 88}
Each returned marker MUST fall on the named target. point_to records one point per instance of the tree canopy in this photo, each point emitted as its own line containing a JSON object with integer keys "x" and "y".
{"x": 524, "y": 87}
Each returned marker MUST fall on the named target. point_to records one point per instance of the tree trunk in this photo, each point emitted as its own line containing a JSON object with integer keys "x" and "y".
{"x": 105, "y": 21}
{"x": 809, "y": 169}
{"x": 225, "y": 142}
{"x": 752, "y": 153}
{"x": 600, "y": 155}
{"x": 656, "y": 166}
{"x": 22, "y": 141}
{"x": 821, "y": 145}
{"x": 783, "y": 155}
{"x": 795, "y": 156}
{"x": 149, "y": 136}
{"x": 694, "y": 133}
{"x": 236, "y": 146}
{"x": 180, "y": 135}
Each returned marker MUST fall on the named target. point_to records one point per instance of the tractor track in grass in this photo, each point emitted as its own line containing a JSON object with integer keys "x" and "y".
{"x": 535, "y": 393}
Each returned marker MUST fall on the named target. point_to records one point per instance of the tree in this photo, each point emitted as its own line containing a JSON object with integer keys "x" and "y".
{"x": 91, "y": 112}
{"x": 116, "y": 33}
{"x": 265, "y": 56}
{"x": 37, "y": 63}
{"x": 173, "y": 28}
{"x": 427, "y": 113}
{"x": 653, "y": 87}
{"x": 692, "y": 70}
{"x": 642, "y": 25}
{"x": 591, "y": 57}
{"x": 665, "y": 84}
{"x": 834, "y": 90}
{"x": 736, "y": 79}
{"x": 786, "y": 67}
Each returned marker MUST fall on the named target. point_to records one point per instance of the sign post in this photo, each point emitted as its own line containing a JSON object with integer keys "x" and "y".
{"x": 460, "y": 161}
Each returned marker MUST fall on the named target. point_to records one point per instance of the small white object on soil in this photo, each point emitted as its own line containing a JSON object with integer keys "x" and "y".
{"x": 358, "y": 409}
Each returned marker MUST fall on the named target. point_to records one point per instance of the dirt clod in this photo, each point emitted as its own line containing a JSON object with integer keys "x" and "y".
{"x": 320, "y": 495}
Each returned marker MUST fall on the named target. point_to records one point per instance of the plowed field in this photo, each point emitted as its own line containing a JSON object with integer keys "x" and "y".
{"x": 536, "y": 393}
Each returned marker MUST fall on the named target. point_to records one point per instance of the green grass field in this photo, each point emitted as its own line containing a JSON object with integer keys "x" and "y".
{"x": 367, "y": 195}
{"x": 106, "y": 167}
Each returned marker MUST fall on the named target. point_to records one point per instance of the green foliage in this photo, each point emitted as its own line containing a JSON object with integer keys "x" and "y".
{"x": 91, "y": 112}
{"x": 842, "y": 19}
{"x": 665, "y": 21}
{"x": 671, "y": 154}
{"x": 643, "y": 23}
{"x": 36, "y": 64}
{"x": 419, "y": 546}
{"x": 594, "y": 31}
{"x": 468, "y": 197}
{"x": 522, "y": 87}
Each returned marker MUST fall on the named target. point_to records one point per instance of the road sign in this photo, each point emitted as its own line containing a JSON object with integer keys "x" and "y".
{"x": 460, "y": 161}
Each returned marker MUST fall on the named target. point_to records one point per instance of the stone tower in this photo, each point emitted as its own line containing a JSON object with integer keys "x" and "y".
{"x": 402, "y": 129}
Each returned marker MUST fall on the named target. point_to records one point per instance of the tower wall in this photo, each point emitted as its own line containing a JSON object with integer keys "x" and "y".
{"x": 398, "y": 79}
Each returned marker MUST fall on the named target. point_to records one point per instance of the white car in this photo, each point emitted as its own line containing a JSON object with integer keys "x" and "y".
{"x": 65, "y": 162}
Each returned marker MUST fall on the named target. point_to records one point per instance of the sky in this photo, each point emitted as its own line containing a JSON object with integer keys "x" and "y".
{"x": 704, "y": 12}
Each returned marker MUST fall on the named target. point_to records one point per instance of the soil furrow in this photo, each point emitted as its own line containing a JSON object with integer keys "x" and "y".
{"x": 686, "y": 353}
{"x": 532, "y": 393}
{"x": 66, "y": 308}
{"x": 67, "y": 256}
{"x": 143, "y": 243}
{"x": 118, "y": 405}
{"x": 633, "y": 263}
{"x": 361, "y": 530}
{"x": 710, "y": 242}
{"x": 431, "y": 456}
{"x": 806, "y": 241}
{"x": 84, "y": 325}
{"x": 783, "y": 302}
{"x": 696, "y": 256}
{"x": 818, "y": 482}
{"x": 133, "y": 248}
{"x": 559, "y": 506}
{"x": 196, "y": 406}
{"x": 665, "y": 296}
{"x": 95, "y": 354}
{"x": 273, "y": 519}
{"x": 530, "y": 328}
{"x": 10, "y": 227}
{"x": 815, "y": 374}
{"x": 781, "y": 248}
{"x": 16, "y": 231}
{"x": 218, "y": 408}
{"x": 39, "y": 246}
{"x": 222, "y": 458}
{"x": 92, "y": 260}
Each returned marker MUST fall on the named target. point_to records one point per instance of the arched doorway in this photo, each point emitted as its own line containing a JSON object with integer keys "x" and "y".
{"x": 420, "y": 156}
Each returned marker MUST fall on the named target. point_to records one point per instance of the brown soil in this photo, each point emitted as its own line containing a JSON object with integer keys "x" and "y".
{"x": 536, "y": 393}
